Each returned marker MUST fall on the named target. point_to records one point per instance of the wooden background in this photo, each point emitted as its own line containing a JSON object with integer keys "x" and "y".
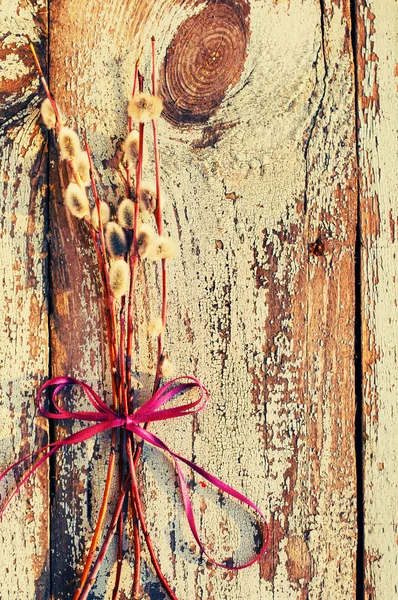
{"x": 279, "y": 149}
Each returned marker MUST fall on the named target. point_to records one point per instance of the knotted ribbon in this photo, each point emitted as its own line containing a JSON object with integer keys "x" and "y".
{"x": 106, "y": 418}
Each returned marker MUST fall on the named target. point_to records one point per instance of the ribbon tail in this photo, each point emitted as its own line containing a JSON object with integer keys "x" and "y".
{"x": 74, "y": 438}
{"x": 21, "y": 460}
{"x": 155, "y": 441}
{"x": 27, "y": 475}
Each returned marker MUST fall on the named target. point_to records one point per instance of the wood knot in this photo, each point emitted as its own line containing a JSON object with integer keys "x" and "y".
{"x": 204, "y": 60}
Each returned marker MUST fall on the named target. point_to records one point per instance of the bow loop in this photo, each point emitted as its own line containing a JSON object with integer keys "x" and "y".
{"x": 102, "y": 411}
{"x": 149, "y": 412}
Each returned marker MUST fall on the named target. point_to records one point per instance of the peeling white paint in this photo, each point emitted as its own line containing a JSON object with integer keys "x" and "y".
{"x": 235, "y": 208}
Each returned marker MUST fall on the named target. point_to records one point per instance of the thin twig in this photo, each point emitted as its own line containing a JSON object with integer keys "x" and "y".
{"x": 111, "y": 326}
{"x": 111, "y": 532}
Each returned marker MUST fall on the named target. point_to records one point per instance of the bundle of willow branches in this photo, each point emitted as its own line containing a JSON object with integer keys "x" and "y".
{"x": 120, "y": 246}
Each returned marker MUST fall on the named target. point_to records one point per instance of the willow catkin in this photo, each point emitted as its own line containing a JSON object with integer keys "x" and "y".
{"x": 162, "y": 247}
{"x": 148, "y": 199}
{"x": 125, "y": 213}
{"x": 76, "y": 201}
{"x": 131, "y": 148}
{"x": 144, "y": 107}
{"x": 105, "y": 214}
{"x": 48, "y": 114}
{"x": 119, "y": 275}
{"x": 155, "y": 326}
{"x": 82, "y": 164}
{"x": 115, "y": 239}
{"x": 166, "y": 367}
{"x": 145, "y": 237}
{"x": 69, "y": 143}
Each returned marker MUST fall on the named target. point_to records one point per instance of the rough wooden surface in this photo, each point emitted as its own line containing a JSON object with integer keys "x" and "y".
{"x": 24, "y": 534}
{"x": 259, "y": 153}
{"x": 377, "y": 57}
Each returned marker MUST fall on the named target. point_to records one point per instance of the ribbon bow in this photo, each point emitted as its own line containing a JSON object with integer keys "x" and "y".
{"x": 106, "y": 418}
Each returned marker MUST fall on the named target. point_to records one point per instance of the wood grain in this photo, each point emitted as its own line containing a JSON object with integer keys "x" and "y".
{"x": 377, "y": 59}
{"x": 259, "y": 165}
{"x": 24, "y": 533}
{"x": 251, "y": 312}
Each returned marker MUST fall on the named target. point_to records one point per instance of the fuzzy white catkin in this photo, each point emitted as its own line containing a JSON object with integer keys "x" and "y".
{"x": 148, "y": 199}
{"x": 83, "y": 167}
{"x": 119, "y": 275}
{"x": 48, "y": 114}
{"x": 145, "y": 237}
{"x": 155, "y": 326}
{"x": 76, "y": 201}
{"x": 162, "y": 247}
{"x": 68, "y": 143}
{"x": 105, "y": 214}
{"x": 131, "y": 148}
{"x": 167, "y": 368}
{"x": 144, "y": 107}
{"x": 125, "y": 213}
{"x": 115, "y": 239}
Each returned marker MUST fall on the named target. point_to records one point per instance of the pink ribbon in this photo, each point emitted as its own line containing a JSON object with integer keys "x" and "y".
{"x": 106, "y": 418}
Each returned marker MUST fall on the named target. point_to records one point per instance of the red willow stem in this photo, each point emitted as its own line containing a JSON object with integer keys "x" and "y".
{"x": 109, "y": 299}
{"x": 158, "y": 216}
{"x": 154, "y": 560}
{"x": 119, "y": 556}
{"x": 111, "y": 532}
{"x": 136, "y": 532}
{"x": 46, "y": 88}
{"x": 137, "y": 552}
{"x": 131, "y": 478}
{"x": 120, "y": 526}
{"x": 133, "y": 252}
{"x": 122, "y": 386}
{"x": 130, "y": 124}
{"x": 101, "y": 257}
{"x": 111, "y": 328}
{"x": 133, "y": 275}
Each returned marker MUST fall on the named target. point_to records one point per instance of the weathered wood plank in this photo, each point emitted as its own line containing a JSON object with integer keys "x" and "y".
{"x": 377, "y": 58}
{"x": 258, "y": 151}
{"x": 24, "y": 534}
{"x": 254, "y": 174}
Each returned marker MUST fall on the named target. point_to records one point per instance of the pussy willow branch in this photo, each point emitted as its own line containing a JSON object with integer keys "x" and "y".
{"x": 158, "y": 216}
{"x": 133, "y": 274}
{"x": 108, "y": 296}
{"x": 127, "y": 390}
{"x": 110, "y": 318}
{"x": 109, "y": 313}
{"x": 133, "y": 260}
{"x": 121, "y": 372}
{"x": 159, "y": 224}
{"x": 46, "y": 88}
{"x": 130, "y": 125}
